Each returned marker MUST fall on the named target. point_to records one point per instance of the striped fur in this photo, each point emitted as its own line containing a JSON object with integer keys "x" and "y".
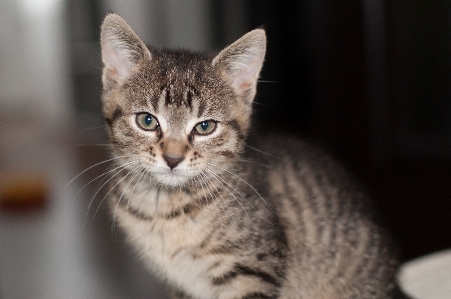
{"x": 229, "y": 222}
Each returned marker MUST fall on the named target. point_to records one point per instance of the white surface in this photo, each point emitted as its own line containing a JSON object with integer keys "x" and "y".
{"x": 428, "y": 277}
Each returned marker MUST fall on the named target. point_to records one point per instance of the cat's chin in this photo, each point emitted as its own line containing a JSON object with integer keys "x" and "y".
{"x": 171, "y": 179}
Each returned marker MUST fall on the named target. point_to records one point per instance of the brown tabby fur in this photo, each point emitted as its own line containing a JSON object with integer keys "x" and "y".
{"x": 229, "y": 221}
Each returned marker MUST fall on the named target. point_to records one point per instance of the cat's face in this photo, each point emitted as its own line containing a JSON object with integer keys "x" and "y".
{"x": 177, "y": 119}
{"x": 181, "y": 115}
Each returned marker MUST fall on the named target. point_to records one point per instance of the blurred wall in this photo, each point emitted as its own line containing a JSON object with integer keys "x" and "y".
{"x": 168, "y": 23}
{"x": 34, "y": 61}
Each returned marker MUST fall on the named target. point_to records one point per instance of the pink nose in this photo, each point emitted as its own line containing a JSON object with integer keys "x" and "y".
{"x": 172, "y": 161}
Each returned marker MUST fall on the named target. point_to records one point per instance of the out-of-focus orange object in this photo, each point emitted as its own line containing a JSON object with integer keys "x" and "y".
{"x": 20, "y": 191}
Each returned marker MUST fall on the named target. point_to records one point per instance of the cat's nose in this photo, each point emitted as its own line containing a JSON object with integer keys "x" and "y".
{"x": 172, "y": 161}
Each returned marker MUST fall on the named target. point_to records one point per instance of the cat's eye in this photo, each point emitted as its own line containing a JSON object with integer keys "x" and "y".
{"x": 205, "y": 127}
{"x": 147, "y": 121}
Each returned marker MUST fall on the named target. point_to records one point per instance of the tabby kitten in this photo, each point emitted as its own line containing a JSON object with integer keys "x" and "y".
{"x": 215, "y": 218}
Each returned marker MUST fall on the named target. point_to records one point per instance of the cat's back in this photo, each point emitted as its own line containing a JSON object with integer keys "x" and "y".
{"x": 331, "y": 231}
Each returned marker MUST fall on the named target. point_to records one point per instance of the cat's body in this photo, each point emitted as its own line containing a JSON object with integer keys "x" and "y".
{"x": 218, "y": 219}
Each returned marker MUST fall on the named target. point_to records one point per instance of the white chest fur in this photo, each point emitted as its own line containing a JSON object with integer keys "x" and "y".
{"x": 171, "y": 246}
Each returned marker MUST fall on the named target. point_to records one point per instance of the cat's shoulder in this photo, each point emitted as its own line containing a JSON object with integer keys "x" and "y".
{"x": 283, "y": 151}
{"x": 282, "y": 147}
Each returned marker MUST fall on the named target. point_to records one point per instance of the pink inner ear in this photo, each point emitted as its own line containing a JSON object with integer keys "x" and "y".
{"x": 246, "y": 77}
{"x": 117, "y": 66}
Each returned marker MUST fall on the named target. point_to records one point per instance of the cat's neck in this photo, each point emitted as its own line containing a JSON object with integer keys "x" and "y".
{"x": 154, "y": 200}
{"x": 149, "y": 199}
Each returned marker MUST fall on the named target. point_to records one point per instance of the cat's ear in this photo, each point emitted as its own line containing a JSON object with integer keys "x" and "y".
{"x": 242, "y": 61}
{"x": 122, "y": 49}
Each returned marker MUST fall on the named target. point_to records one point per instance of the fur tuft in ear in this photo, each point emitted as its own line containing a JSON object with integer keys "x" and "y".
{"x": 122, "y": 50}
{"x": 242, "y": 61}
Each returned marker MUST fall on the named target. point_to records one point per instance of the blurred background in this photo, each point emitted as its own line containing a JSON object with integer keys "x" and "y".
{"x": 369, "y": 81}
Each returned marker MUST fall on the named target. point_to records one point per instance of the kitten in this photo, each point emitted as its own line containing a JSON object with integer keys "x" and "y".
{"x": 213, "y": 217}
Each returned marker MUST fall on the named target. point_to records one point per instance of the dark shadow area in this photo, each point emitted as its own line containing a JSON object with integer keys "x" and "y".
{"x": 374, "y": 90}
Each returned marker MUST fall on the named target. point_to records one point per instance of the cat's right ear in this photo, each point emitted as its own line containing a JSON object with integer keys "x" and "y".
{"x": 122, "y": 50}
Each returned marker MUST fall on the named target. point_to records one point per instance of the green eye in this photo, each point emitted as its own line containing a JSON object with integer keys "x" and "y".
{"x": 147, "y": 121}
{"x": 205, "y": 127}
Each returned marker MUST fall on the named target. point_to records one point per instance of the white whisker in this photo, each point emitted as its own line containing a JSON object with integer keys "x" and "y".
{"x": 90, "y": 167}
{"x": 214, "y": 202}
{"x": 217, "y": 191}
{"x": 97, "y": 144}
{"x": 112, "y": 188}
{"x": 265, "y": 153}
{"x": 103, "y": 174}
{"x": 203, "y": 190}
{"x": 253, "y": 162}
{"x": 239, "y": 193}
{"x": 89, "y": 129}
{"x": 133, "y": 190}
{"x": 243, "y": 182}
{"x": 231, "y": 193}
{"x": 100, "y": 188}
{"x": 136, "y": 170}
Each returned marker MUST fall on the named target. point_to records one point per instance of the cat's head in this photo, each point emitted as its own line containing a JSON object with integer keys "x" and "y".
{"x": 179, "y": 113}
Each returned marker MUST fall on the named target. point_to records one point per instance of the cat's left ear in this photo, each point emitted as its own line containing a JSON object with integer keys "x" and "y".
{"x": 122, "y": 50}
{"x": 242, "y": 61}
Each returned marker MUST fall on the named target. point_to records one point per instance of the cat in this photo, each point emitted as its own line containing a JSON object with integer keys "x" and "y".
{"x": 213, "y": 216}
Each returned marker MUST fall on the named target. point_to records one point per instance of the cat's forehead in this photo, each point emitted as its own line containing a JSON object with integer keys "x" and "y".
{"x": 182, "y": 67}
{"x": 179, "y": 81}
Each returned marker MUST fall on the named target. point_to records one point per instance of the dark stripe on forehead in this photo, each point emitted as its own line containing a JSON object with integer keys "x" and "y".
{"x": 201, "y": 109}
{"x": 167, "y": 95}
{"x": 189, "y": 99}
{"x": 178, "y": 94}
{"x": 153, "y": 101}
{"x": 191, "y": 92}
